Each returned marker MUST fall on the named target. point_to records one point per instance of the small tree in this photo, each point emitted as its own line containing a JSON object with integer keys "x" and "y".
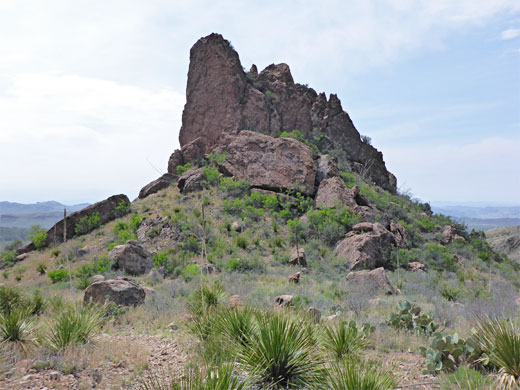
{"x": 38, "y": 236}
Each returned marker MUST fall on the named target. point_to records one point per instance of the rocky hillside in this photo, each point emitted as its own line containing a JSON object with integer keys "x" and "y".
{"x": 505, "y": 240}
{"x": 274, "y": 206}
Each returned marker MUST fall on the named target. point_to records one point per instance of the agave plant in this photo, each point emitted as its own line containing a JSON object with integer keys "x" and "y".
{"x": 236, "y": 325}
{"x": 17, "y": 328}
{"x": 345, "y": 338}
{"x": 500, "y": 339}
{"x": 350, "y": 374}
{"x": 282, "y": 353}
{"x": 215, "y": 378}
{"x": 73, "y": 325}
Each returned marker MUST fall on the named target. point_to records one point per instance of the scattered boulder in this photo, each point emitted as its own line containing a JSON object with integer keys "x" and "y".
{"x": 284, "y": 300}
{"x": 333, "y": 191}
{"x": 221, "y": 98}
{"x": 298, "y": 258}
{"x": 269, "y": 163}
{"x": 174, "y": 161}
{"x": 161, "y": 183}
{"x": 450, "y": 234}
{"x": 373, "y": 282}
{"x": 235, "y": 301}
{"x": 192, "y": 180}
{"x": 151, "y": 229}
{"x": 121, "y": 291}
{"x": 416, "y": 266}
{"x": 402, "y": 237}
{"x": 84, "y": 251}
{"x": 366, "y": 246}
{"x": 314, "y": 313}
{"x": 22, "y": 257}
{"x": 208, "y": 269}
{"x": 132, "y": 258}
{"x": 326, "y": 169}
{"x": 295, "y": 278}
{"x": 237, "y": 227}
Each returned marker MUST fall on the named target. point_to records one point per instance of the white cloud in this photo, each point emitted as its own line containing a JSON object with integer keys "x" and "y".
{"x": 510, "y": 33}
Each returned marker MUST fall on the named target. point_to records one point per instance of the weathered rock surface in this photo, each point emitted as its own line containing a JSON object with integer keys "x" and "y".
{"x": 235, "y": 301}
{"x": 121, "y": 291}
{"x": 450, "y": 234}
{"x": 333, "y": 192}
{"x": 158, "y": 184}
{"x": 402, "y": 237}
{"x": 132, "y": 258}
{"x": 366, "y": 246}
{"x": 372, "y": 282}
{"x": 106, "y": 210}
{"x": 223, "y": 99}
{"x": 284, "y": 300}
{"x": 174, "y": 161}
{"x": 191, "y": 180}
{"x": 294, "y": 278}
{"x": 269, "y": 163}
{"x": 416, "y": 266}
{"x": 298, "y": 258}
{"x": 327, "y": 168}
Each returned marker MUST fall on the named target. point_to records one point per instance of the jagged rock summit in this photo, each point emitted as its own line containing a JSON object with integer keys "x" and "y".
{"x": 223, "y": 99}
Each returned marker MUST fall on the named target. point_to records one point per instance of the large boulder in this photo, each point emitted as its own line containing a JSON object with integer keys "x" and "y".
{"x": 221, "y": 98}
{"x": 367, "y": 246}
{"x": 192, "y": 180}
{"x": 106, "y": 209}
{"x": 269, "y": 163}
{"x": 327, "y": 168}
{"x": 132, "y": 258}
{"x": 372, "y": 282}
{"x": 333, "y": 192}
{"x": 121, "y": 291}
{"x": 158, "y": 184}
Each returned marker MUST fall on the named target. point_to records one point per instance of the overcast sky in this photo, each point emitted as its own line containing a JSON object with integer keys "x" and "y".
{"x": 91, "y": 92}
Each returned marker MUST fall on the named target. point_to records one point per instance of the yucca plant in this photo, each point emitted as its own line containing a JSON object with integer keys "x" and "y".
{"x": 282, "y": 353}
{"x": 352, "y": 374}
{"x": 17, "y": 328}
{"x": 236, "y": 325}
{"x": 500, "y": 340}
{"x": 201, "y": 304}
{"x": 73, "y": 325}
{"x": 345, "y": 339}
{"x": 216, "y": 378}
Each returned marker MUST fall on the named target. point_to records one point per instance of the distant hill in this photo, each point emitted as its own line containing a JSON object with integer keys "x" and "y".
{"x": 482, "y": 217}
{"x": 17, "y": 218}
{"x": 505, "y": 240}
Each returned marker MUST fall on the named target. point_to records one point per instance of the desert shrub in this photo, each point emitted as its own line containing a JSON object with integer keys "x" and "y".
{"x": 298, "y": 135}
{"x": 87, "y": 223}
{"x": 41, "y": 268}
{"x": 425, "y": 224}
{"x": 233, "y": 188}
{"x": 12, "y": 299}
{"x": 181, "y": 169}
{"x": 331, "y": 224}
{"x": 38, "y": 236}
{"x": 73, "y": 325}
{"x": 350, "y": 374}
{"x": 409, "y": 317}
{"x": 236, "y": 324}
{"x": 345, "y": 339}
{"x": 246, "y": 264}
{"x": 122, "y": 208}
{"x": 450, "y": 293}
{"x": 500, "y": 341}
{"x": 58, "y": 275}
{"x": 349, "y": 179}
{"x": 282, "y": 353}
{"x": 17, "y": 328}
{"x": 190, "y": 271}
{"x": 465, "y": 378}
{"x": 212, "y": 176}
{"x": 241, "y": 242}
{"x": 202, "y": 304}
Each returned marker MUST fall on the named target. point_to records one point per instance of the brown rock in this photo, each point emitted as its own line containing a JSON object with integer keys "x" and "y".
{"x": 161, "y": 183}
{"x": 22, "y": 257}
{"x": 191, "y": 180}
{"x": 366, "y": 246}
{"x": 298, "y": 258}
{"x": 269, "y": 163}
{"x": 294, "y": 278}
{"x": 372, "y": 282}
{"x": 222, "y": 99}
{"x": 284, "y": 300}
{"x": 333, "y": 192}
{"x": 402, "y": 237}
{"x": 326, "y": 169}
{"x": 121, "y": 291}
{"x": 235, "y": 301}
{"x": 450, "y": 234}
{"x": 415, "y": 266}
{"x": 106, "y": 210}
{"x": 98, "y": 278}
{"x": 132, "y": 258}
{"x": 208, "y": 269}
{"x": 175, "y": 160}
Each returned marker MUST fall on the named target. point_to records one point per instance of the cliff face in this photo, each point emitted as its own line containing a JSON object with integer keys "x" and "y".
{"x": 222, "y": 98}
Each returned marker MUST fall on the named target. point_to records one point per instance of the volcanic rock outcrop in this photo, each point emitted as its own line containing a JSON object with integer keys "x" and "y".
{"x": 222, "y": 99}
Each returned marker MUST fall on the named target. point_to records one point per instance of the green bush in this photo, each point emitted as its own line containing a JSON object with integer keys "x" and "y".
{"x": 58, "y": 275}
{"x": 190, "y": 271}
{"x": 242, "y": 242}
{"x": 38, "y": 236}
{"x": 87, "y": 223}
{"x": 181, "y": 169}
{"x": 465, "y": 378}
{"x": 212, "y": 176}
{"x": 232, "y": 188}
{"x": 122, "y": 209}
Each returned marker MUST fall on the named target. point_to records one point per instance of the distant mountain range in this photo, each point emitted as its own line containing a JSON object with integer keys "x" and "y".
{"x": 17, "y": 218}
{"x": 480, "y": 217}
